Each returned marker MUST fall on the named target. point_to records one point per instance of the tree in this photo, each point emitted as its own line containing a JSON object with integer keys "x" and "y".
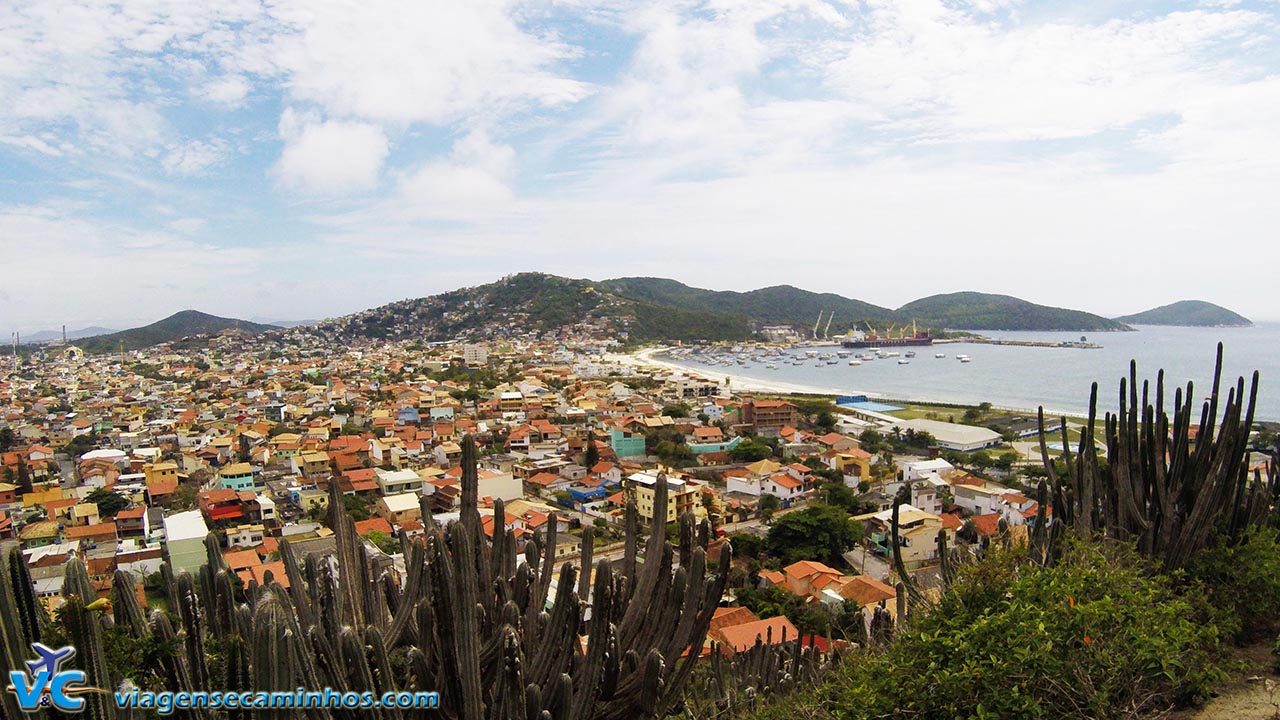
{"x": 769, "y": 602}
{"x": 843, "y": 497}
{"x": 811, "y": 408}
{"x": 746, "y": 545}
{"x": 24, "y": 478}
{"x": 6, "y": 439}
{"x": 679, "y": 410}
{"x": 1005, "y": 461}
{"x": 356, "y": 507}
{"x": 819, "y": 532}
{"x": 981, "y": 460}
{"x": 593, "y": 452}
{"x": 749, "y": 451}
{"x": 870, "y": 440}
{"x": 108, "y": 502}
{"x": 767, "y": 506}
{"x": 383, "y": 541}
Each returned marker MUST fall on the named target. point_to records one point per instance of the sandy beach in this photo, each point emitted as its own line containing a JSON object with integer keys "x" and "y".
{"x": 645, "y": 359}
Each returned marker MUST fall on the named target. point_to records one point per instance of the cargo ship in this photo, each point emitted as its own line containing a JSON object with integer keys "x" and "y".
{"x": 859, "y": 339}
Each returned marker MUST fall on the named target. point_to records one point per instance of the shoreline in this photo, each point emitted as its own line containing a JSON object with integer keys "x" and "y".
{"x": 644, "y": 359}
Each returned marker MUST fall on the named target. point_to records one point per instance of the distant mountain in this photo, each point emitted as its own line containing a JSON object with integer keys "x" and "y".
{"x": 281, "y": 323}
{"x": 777, "y": 305}
{"x": 660, "y": 310}
{"x": 982, "y": 311}
{"x": 1189, "y": 313}
{"x": 532, "y": 303}
{"x": 180, "y": 325}
{"x": 53, "y": 335}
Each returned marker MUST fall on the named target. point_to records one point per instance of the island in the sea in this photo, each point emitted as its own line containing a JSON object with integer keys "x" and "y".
{"x": 1188, "y": 313}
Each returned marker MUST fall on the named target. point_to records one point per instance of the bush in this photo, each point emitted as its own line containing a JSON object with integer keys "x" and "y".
{"x": 1243, "y": 585}
{"x": 1096, "y": 636}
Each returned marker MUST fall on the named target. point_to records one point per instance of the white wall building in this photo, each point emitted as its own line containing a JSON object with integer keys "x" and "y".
{"x": 184, "y": 534}
{"x": 953, "y": 436}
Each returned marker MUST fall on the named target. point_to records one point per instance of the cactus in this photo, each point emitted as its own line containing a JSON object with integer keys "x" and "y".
{"x": 84, "y": 631}
{"x": 485, "y": 631}
{"x": 1158, "y": 490}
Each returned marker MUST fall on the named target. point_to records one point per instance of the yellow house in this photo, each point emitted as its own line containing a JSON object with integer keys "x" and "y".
{"x": 312, "y": 464}
{"x": 84, "y": 514}
{"x": 40, "y": 497}
{"x": 308, "y": 499}
{"x": 763, "y": 468}
{"x": 917, "y": 533}
{"x": 855, "y": 462}
{"x": 162, "y": 472}
{"x": 681, "y": 497}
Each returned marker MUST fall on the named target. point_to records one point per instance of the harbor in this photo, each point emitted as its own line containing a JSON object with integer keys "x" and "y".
{"x": 1019, "y": 370}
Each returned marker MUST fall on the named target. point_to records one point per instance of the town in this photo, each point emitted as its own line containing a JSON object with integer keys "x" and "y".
{"x": 128, "y": 461}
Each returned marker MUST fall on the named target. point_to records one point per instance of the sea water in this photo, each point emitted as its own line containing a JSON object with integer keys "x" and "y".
{"x": 1056, "y": 378}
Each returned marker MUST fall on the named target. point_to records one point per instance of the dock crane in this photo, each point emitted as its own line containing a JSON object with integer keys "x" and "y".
{"x": 826, "y": 331}
{"x": 817, "y": 325}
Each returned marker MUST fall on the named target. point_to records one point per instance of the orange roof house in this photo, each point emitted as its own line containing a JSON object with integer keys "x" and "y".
{"x": 740, "y": 638}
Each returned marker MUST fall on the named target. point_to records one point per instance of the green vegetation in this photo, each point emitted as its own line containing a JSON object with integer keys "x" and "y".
{"x": 1097, "y": 635}
{"x": 660, "y": 310}
{"x": 383, "y": 541}
{"x": 751, "y": 450}
{"x": 108, "y": 502}
{"x": 174, "y": 327}
{"x": 781, "y": 304}
{"x": 1188, "y": 313}
{"x": 983, "y": 311}
{"x": 818, "y": 532}
{"x": 1243, "y": 584}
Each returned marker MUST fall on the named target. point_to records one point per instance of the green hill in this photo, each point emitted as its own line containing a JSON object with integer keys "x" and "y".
{"x": 642, "y": 309}
{"x": 534, "y": 304}
{"x": 1189, "y": 313}
{"x": 983, "y": 311}
{"x": 187, "y": 323}
{"x": 777, "y": 305}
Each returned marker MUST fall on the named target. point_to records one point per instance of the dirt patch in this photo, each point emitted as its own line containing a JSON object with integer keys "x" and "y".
{"x": 1253, "y": 692}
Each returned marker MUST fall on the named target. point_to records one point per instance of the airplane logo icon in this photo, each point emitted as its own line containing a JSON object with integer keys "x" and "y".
{"x": 50, "y": 660}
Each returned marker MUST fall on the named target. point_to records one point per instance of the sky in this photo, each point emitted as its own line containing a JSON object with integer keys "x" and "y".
{"x": 302, "y": 159}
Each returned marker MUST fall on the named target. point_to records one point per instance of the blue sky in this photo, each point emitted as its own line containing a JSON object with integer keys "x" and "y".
{"x": 307, "y": 159}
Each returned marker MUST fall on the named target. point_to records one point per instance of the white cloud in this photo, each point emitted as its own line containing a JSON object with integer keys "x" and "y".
{"x": 96, "y": 72}
{"x": 471, "y": 184}
{"x": 408, "y": 61}
{"x": 228, "y": 91}
{"x": 330, "y": 158}
{"x": 195, "y": 156}
{"x": 163, "y": 273}
{"x": 943, "y": 73}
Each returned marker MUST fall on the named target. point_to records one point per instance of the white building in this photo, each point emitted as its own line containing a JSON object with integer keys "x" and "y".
{"x": 394, "y": 482}
{"x": 919, "y": 469}
{"x": 474, "y": 355}
{"x": 184, "y": 534}
{"x": 494, "y": 484}
{"x": 953, "y": 436}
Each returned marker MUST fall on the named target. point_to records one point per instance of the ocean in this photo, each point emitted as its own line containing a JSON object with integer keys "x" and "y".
{"x": 1024, "y": 378}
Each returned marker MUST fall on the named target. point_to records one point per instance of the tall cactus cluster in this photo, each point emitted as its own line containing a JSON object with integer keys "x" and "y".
{"x": 1161, "y": 487}
{"x": 731, "y": 686}
{"x": 474, "y": 621}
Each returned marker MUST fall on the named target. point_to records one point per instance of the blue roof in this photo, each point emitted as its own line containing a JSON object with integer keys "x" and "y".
{"x": 869, "y": 405}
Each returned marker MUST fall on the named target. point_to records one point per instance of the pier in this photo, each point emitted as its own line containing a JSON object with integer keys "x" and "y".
{"x": 1079, "y": 345}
